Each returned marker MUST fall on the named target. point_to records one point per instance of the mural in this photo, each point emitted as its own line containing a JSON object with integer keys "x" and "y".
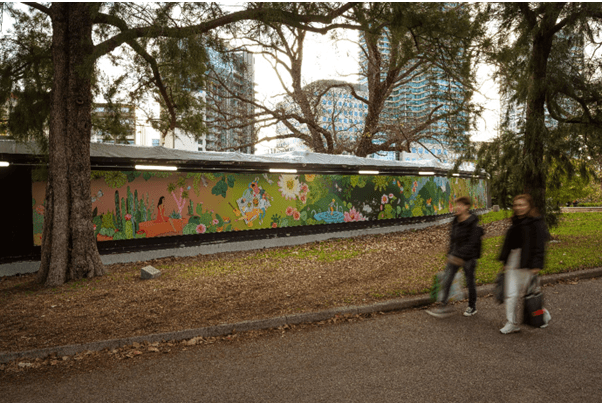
{"x": 132, "y": 204}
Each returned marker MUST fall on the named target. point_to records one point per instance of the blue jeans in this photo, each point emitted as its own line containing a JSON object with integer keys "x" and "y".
{"x": 469, "y": 268}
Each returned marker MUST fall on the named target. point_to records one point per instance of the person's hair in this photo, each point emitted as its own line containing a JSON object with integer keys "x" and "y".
{"x": 464, "y": 200}
{"x": 161, "y": 199}
{"x": 533, "y": 212}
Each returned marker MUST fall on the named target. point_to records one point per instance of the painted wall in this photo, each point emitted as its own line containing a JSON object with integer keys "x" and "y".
{"x": 126, "y": 205}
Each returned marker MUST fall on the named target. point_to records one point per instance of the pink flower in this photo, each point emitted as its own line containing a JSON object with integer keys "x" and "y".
{"x": 289, "y": 211}
{"x": 304, "y": 188}
{"x": 94, "y": 226}
{"x": 391, "y": 196}
{"x": 353, "y": 215}
{"x": 384, "y": 199}
{"x": 128, "y": 216}
{"x": 215, "y": 222}
{"x": 40, "y": 209}
{"x": 201, "y": 229}
{"x": 296, "y": 215}
{"x": 274, "y": 225}
{"x": 303, "y": 198}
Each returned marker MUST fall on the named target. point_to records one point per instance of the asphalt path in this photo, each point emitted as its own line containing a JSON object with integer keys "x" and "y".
{"x": 406, "y": 356}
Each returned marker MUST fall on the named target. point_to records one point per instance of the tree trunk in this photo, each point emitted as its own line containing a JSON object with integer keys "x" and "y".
{"x": 69, "y": 250}
{"x": 536, "y": 132}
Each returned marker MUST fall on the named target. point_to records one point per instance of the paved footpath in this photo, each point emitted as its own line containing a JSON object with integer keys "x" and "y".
{"x": 406, "y": 356}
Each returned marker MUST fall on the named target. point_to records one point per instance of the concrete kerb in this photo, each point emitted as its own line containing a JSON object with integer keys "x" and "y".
{"x": 225, "y": 329}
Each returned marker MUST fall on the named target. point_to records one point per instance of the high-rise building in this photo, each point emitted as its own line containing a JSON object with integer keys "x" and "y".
{"x": 338, "y": 112}
{"x": 410, "y": 103}
{"x": 228, "y": 118}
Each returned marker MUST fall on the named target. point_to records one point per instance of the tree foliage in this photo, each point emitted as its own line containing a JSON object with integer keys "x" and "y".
{"x": 548, "y": 70}
{"x": 80, "y": 34}
{"x": 428, "y": 40}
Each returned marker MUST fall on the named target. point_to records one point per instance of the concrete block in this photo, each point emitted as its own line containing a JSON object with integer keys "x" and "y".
{"x": 149, "y": 272}
{"x": 495, "y": 207}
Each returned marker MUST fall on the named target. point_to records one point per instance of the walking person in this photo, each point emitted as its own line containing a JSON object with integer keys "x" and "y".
{"x": 523, "y": 256}
{"x": 464, "y": 249}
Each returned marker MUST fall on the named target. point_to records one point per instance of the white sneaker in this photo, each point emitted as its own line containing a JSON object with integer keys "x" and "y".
{"x": 509, "y": 328}
{"x": 470, "y": 311}
{"x": 546, "y": 318}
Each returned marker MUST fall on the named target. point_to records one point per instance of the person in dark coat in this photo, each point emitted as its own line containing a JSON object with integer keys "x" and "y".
{"x": 464, "y": 249}
{"x": 523, "y": 255}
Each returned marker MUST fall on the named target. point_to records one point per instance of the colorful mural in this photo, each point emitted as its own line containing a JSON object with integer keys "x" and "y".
{"x": 127, "y": 205}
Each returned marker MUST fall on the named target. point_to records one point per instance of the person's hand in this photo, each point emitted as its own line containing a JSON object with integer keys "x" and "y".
{"x": 535, "y": 271}
{"x": 455, "y": 260}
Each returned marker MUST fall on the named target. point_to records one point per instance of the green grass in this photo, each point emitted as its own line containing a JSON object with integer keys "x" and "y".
{"x": 495, "y": 216}
{"x": 578, "y": 245}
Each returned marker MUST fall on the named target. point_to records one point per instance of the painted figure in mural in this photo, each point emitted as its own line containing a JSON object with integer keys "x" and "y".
{"x": 464, "y": 250}
{"x": 263, "y": 204}
{"x": 332, "y": 206}
{"x": 161, "y": 217}
{"x": 523, "y": 255}
{"x": 252, "y": 203}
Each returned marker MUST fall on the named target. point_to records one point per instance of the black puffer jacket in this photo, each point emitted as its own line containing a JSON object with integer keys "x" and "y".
{"x": 529, "y": 234}
{"x": 465, "y": 238}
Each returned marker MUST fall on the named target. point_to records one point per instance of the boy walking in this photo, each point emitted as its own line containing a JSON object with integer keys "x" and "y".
{"x": 464, "y": 249}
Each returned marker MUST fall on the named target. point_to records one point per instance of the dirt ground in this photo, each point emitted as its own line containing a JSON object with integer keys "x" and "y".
{"x": 221, "y": 288}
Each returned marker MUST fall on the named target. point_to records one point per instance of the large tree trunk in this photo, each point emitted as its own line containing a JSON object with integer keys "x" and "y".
{"x": 69, "y": 249}
{"x": 536, "y": 132}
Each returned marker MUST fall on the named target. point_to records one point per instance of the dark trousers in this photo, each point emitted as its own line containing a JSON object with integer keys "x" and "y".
{"x": 469, "y": 268}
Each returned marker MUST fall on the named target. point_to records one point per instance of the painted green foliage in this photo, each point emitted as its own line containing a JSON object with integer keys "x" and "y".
{"x": 253, "y": 201}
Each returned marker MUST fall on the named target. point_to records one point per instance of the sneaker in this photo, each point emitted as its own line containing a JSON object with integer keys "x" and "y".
{"x": 546, "y": 318}
{"x": 470, "y": 311}
{"x": 440, "y": 312}
{"x": 509, "y": 328}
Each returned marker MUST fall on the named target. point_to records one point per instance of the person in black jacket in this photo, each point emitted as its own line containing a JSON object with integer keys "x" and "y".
{"x": 523, "y": 255}
{"x": 464, "y": 249}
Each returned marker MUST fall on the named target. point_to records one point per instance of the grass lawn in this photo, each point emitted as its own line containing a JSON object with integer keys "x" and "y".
{"x": 576, "y": 244}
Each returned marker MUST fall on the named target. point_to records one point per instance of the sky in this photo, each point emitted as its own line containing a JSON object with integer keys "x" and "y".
{"x": 324, "y": 60}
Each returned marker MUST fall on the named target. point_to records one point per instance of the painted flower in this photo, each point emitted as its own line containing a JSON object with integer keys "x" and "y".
{"x": 94, "y": 226}
{"x": 296, "y": 215}
{"x": 303, "y": 198}
{"x": 289, "y": 211}
{"x": 274, "y": 225}
{"x": 128, "y": 216}
{"x": 353, "y": 215}
{"x": 289, "y": 186}
{"x": 215, "y": 222}
{"x": 310, "y": 178}
{"x": 201, "y": 229}
{"x": 40, "y": 209}
{"x": 413, "y": 190}
{"x": 391, "y": 196}
{"x": 303, "y": 187}
{"x": 384, "y": 199}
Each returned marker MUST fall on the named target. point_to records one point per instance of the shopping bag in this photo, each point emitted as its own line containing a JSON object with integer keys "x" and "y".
{"x": 455, "y": 292}
{"x": 498, "y": 292}
{"x": 533, "y": 310}
{"x": 534, "y": 313}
